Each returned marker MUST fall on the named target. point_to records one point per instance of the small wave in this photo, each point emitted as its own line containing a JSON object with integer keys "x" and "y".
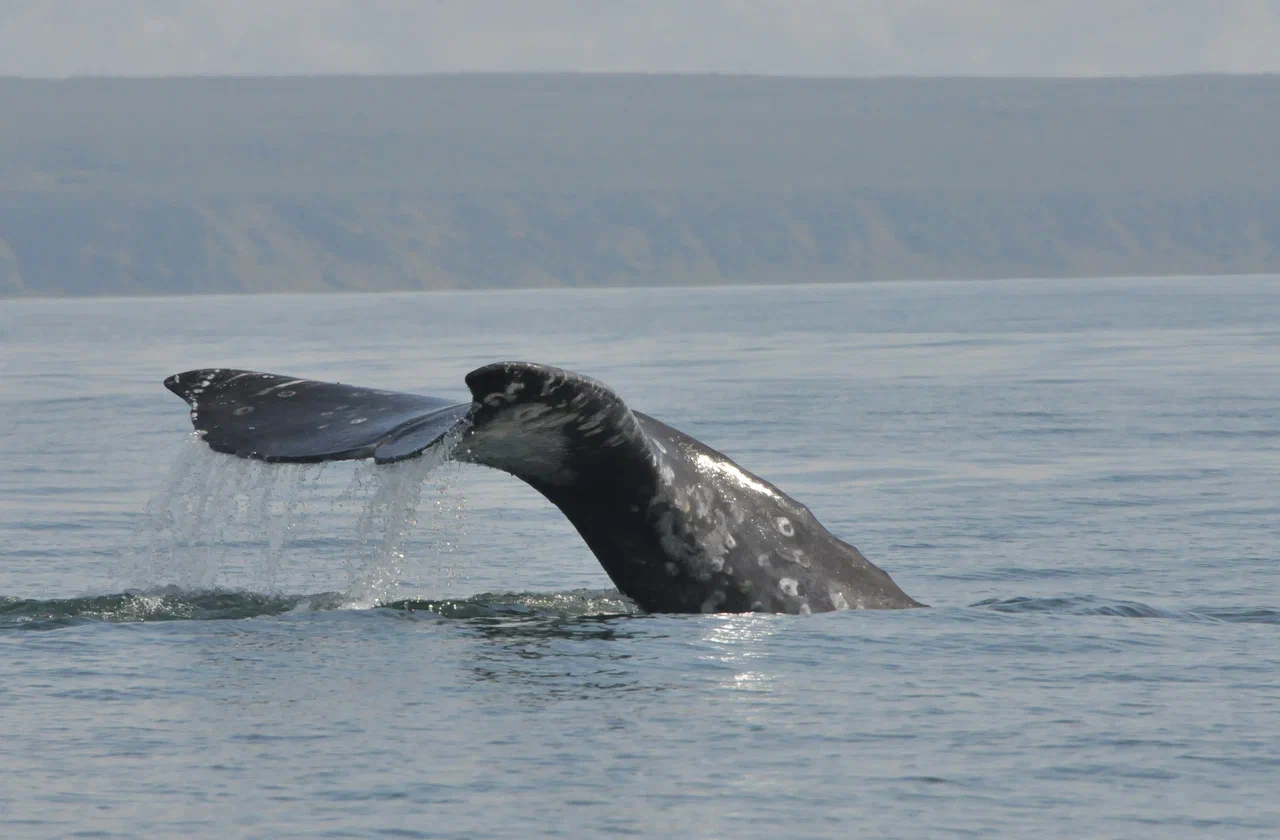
{"x": 165, "y": 605}
{"x": 173, "y": 604}
{"x": 573, "y": 604}
{"x": 1090, "y": 605}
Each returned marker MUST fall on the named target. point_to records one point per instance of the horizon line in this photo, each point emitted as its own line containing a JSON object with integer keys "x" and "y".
{"x": 646, "y": 74}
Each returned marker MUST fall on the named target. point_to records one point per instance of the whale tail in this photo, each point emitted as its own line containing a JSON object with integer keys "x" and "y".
{"x": 542, "y": 424}
{"x": 276, "y": 418}
{"x": 677, "y": 526}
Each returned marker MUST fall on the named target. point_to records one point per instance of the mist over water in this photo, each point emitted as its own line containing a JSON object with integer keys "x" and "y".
{"x": 1078, "y": 476}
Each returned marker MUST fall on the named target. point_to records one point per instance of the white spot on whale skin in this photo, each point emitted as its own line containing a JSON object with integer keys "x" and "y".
{"x": 659, "y": 445}
{"x": 789, "y": 586}
{"x": 668, "y": 474}
{"x": 837, "y": 600}
{"x": 762, "y": 560}
{"x": 358, "y": 421}
{"x": 529, "y": 413}
{"x": 702, "y": 498}
{"x": 284, "y": 395}
{"x": 713, "y": 602}
{"x": 323, "y": 426}
{"x": 592, "y": 425}
{"x": 785, "y": 527}
{"x": 728, "y": 470}
{"x": 507, "y": 395}
{"x": 243, "y": 410}
{"x": 672, "y": 569}
{"x": 717, "y": 563}
{"x": 804, "y": 608}
{"x": 280, "y": 385}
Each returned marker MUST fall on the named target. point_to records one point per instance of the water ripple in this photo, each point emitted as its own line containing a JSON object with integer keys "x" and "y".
{"x": 174, "y": 604}
{"x": 1091, "y": 605}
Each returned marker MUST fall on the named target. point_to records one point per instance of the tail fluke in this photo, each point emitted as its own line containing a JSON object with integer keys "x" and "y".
{"x": 270, "y": 417}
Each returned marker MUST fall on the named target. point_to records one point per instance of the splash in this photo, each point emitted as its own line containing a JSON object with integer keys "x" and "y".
{"x": 221, "y": 522}
{"x": 211, "y": 512}
{"x": 392, "y": 496}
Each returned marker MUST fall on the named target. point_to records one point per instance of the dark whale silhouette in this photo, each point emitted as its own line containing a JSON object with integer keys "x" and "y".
{"x": 676, "y": 525}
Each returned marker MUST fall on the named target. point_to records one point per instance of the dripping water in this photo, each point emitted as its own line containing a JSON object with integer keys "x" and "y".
{"x": 222, "y": 522}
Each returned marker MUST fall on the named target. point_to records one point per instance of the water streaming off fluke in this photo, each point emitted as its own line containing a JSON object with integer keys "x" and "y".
{"x": 231, "y": 523}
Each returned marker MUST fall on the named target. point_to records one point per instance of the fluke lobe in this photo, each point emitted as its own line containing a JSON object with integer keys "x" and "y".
{"x": 676, "y": 525}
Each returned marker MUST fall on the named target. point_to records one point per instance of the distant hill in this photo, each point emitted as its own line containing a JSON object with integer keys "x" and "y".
{"x": 123, "y": 186}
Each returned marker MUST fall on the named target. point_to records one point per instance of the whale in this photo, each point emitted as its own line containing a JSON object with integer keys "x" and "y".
{"x": 677, "y": 526}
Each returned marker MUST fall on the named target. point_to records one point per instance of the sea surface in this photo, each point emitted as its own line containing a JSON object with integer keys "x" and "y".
{"x": 1081, "y": 477}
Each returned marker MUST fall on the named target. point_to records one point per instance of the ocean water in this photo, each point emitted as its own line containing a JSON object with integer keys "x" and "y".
{"x": 1079, "y": 476}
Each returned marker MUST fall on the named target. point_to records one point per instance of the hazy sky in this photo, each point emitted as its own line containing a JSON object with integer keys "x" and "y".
{"x": 827, "y": 37}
